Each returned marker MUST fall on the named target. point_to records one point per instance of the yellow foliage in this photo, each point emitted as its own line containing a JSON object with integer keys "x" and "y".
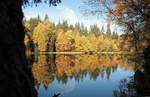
{"x": 26, "y": 40}
{"x": 71, "y": 66}
{"x": 41, "y": 34}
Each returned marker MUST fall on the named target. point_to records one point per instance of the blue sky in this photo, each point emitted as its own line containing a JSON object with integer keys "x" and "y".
{"x": 67, "y": 10}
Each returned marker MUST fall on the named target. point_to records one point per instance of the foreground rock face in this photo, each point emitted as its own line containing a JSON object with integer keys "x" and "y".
{"x": 15, "y": 75}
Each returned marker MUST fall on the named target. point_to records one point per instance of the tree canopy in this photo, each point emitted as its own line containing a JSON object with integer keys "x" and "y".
{"x": 75, "y": 37}
{"x": 132, "y": 15}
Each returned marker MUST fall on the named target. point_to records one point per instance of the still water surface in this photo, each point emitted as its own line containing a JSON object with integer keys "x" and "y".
{"x": 80, "y": 75}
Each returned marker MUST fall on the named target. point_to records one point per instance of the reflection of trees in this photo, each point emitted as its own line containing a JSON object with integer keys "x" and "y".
{"x": 137, "y": 85}
{"x": 126, "y": 88}
{"x": 66, "y": 67}
{"x": 42, "y": 71}
{"x": 108, "y": 72}
{"x": 94, "y": 74}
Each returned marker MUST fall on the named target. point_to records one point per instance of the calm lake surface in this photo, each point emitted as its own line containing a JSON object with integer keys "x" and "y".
{"x": 80, "y": 75}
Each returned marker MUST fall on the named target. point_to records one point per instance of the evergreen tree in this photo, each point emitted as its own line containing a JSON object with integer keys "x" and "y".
{"x": 108, "y": 31}
{"x": 77, "y": 27}
{"x": 102, "y": 30}
{"x": 65, "y": 26}
{"x": 39, "y": 18}
{"x": 95, "y": 30}
{"x": 46, "y": 17}
{"x": 108, "y": 72}
{"x": 85, "y": 31}
{"x": 114, "y": 35}
{"x": 82, "y": 29}
{"x": 71, "y": 27}
{"x": 58, "y": 26}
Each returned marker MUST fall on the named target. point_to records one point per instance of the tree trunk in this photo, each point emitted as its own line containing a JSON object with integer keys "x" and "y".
{"x": 15, "y": 74}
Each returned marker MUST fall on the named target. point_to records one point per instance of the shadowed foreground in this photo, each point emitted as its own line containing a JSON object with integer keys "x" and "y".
{"x": 137, "y": 85}
{"x": 16, "y": 79}
{"x": 15, "y": 75}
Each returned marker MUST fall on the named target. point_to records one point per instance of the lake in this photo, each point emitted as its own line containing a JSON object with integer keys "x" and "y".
{"x": 81, "y": 75}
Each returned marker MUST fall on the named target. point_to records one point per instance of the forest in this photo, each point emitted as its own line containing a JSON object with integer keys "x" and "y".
{"x": 46, "y": 36}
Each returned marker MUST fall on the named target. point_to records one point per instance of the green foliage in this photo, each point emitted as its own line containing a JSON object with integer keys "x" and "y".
{"x": 102, "y": 30}
{"x": 108, "y": 31}
{"x": 64, "y": 25}
{"x": 95, "y": 30}
{"x": 46, "y": 17}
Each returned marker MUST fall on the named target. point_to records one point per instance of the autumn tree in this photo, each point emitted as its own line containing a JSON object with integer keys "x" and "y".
{"x": 48, "y": 37}
{"x": 43, "y": 34}
{"x": 68, "y": 41}
{"x": 33, "y": 22}
{"x": 131, "y": 15}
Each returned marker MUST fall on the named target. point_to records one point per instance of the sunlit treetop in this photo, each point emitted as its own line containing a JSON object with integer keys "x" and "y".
{"x": 31, "y": 2}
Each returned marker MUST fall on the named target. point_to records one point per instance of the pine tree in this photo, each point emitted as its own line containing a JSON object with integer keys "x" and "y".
{"x": 39, "y": 18}
{"x": 77, "y": 27}
{"x": 71, "y": 27}
{"x": 65, "y": 26}
{"x": 46, "y": 17}
{"x": 103, "y": 30}
{"x": 95, "y": 30}
{"x": 114, "y": 35}
{"x": 108, "y": 31}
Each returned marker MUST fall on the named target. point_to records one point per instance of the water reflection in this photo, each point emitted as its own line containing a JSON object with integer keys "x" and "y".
{"x": 82, "y": 75}
{"x": 136, "y": 85}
